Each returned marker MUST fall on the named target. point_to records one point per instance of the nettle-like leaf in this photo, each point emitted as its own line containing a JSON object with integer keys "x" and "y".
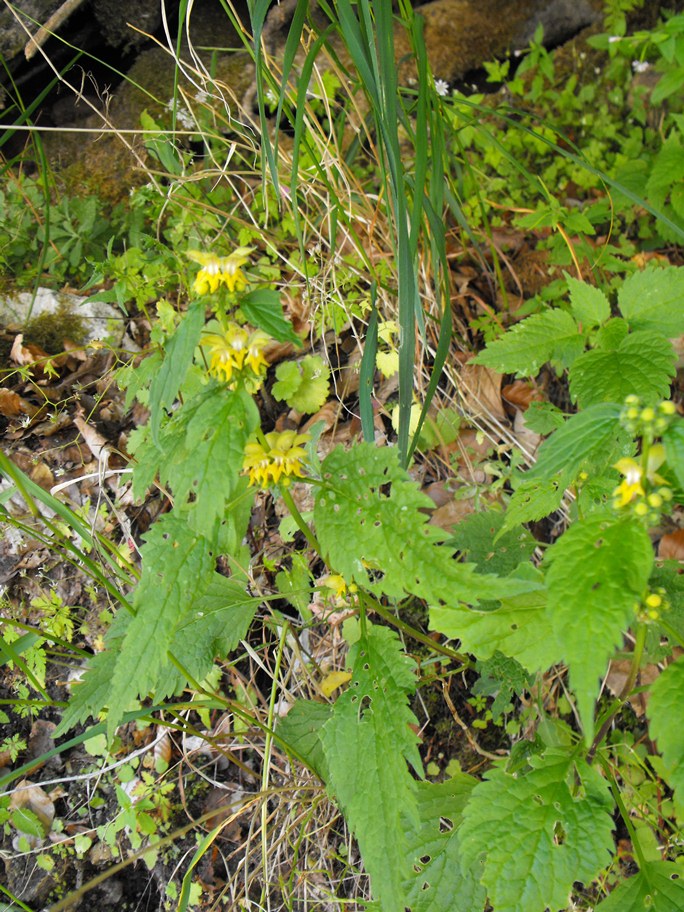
{"x": 300, "y": 731}
{"x": 539, "y": 832}
{"x": 664, "y": 706}
{"x": 200, "y": 453}
{"x": 597, "y": 571}
{"x": 658, "y": 887}
{"x": 552, "y": 335}
{"x": 478, "y": 536}
{"x": 652, "y": 300}
{"x": 371, "y": 522}
{"x": 176, "y": 561}
{"x": 263, "y": 309}
{"x": 589, "y": 305}
{"x": 303, "y": 384}
{"x": 439, "y": 881}
{"x": 673, "y": 439}
{"x": 533, "y": 499}
{"x": 521, "y": 628}
{"x": 368, "y": 743}
{"x": 643, "y": 365}
{"x": 588, "y": 438}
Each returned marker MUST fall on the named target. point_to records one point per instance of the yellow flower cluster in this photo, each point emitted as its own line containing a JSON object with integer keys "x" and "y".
{"x": 280, "y": 455}
{"x": 637, "y": 491}
{"x": 217, "y": 271}
{"x": 235, "y": 351}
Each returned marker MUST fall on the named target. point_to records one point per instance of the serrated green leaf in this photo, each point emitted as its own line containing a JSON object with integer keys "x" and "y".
{"x": 590, "y": 436}
{"x": 301, "y": 730}
{"x": 533, "y": 499}
{"x": 664, "y": 707}
{"x": 302, "y": 384}
{"x": 438, "y": 879}
{"x": 597, "y": 571}
{"x": 539, "y": 832}
{"x": 652, "y": 299}
{"x": 175, "y": 561}
{"x": 369, "y": 740}
{"x": 520, "y": 630}
{"x": 642, "y": 365}
{"x": 263, "y": 309}
{"x": 543, "y": 417}
{"x": 590, "y": 306}
{"x": 478, "y": 537}
{"x": 658, "y": 887}
{"x": 200, "y": 453}
{"x": 611, "y": 334}
{"x": 371, "y": 522}
{"x": 534, "y": 341}
{"x": 177, "y": 359}
{"x": 673, "y": 439}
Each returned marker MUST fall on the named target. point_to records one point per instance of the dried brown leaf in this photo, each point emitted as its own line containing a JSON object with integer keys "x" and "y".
{"x": 671, "y": 546}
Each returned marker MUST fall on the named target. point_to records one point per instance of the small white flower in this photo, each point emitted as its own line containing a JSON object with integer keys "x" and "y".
{"x": 441, "y": 87}
{"x": 640, "y": 66}
{"x": 201, "y": 96}
{"x": 613, "y": 38}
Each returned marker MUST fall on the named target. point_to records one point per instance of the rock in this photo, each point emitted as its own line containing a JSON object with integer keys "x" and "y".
{"x": 99, "y": 320}
{"x": 17, "y": 25}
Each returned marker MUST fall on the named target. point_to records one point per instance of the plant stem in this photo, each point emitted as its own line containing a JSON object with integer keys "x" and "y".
{"x": 302, "y": 525}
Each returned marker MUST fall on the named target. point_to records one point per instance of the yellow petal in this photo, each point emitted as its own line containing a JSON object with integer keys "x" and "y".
{"x": 334, "y": 680}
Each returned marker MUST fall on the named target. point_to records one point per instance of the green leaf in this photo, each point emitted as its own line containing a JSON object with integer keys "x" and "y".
{"x": 177, "y": 359}
{"x": 643, "y": 364}
{"x": 27, "y": 821}
{"x": 302, "y": 384}
{"x": 658, "y": 887}
{"x": 590, "y": 436}
{"x": 543, "y": 417}
{"x": 652, "y": 299}
{"x": 368, "y": 740}
{"x": 597, "y": 572}
{"x": 539, "y": 832}
{"x": 300, "y": 730}
{"x": 589, "y": 305}
{"x": 533, "y": 499}
{"x": 531, "y": 343}
{"x": 439, "y": 881}
{"x": 478, "y": 537}
{"x": 262, "y": 308}
{"x": 673, "y": 439}
{"x": 371, "y": 521}
{"x": 175, "y": 561}
{"x": 521, "y": 628}
{"x": 611, "y": 334}
{"x": 664, "y": 708}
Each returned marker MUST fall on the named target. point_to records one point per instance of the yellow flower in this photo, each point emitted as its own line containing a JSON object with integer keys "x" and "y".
{"x": 280, "y": 456}
{"x": 631, "y": 487}
{"x": 218, "y": 271}
{"x": 230, "y": 352}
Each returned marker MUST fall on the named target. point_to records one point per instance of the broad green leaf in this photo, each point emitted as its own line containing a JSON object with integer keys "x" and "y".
{"x": 531, "y": 343}
{"x": 597, "y": 572}
{"x": 523, "y": 631}
{"x": 176, "y": 561}
{"x": 643, "y": 365}
{"x": 439, "y": 881}
{"x": 652, "y": 299}
{"x": 658, "y": 887}
{"x": 262, "y": 308}
{"x": 664, "y": 709}
{"x": 200, "y": 453}
{"x": 303, "y": 384}
{"x": 611, "y": 334}
{"x": 371, "y": 521}
{"x": 368, "y": 743}
{"x": 300, "y": 730}
{"x": 673, "y": 439}
{"x": 589, "y": 437}
{"x": 478, "y": 537}
{"x": 590, "y": 306}
{"x": 543, "y": 417}
{"x": 539, "y": 832}
{"x": 215, "y": 622}
{"x": 533, "y": 499}
{"x": 177, "y": 359}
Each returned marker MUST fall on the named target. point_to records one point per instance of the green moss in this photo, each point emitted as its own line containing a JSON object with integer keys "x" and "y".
{"x": 49, "y": 330}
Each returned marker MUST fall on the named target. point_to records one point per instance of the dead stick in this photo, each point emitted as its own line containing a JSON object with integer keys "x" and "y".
{"x": 53, "y": 23}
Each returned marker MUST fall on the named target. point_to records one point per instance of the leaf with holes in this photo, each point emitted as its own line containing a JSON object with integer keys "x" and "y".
{"x": 597, "y": 572}
{"x": 368, "y": 743}
{"x": 664, "y": 706}
{"x": 658, "y": 887}
{"x": 642, "y": 365}
{"x": 371, "y": 521}
{"x": 438, "y": 879}
{"x": 538, "y": 832}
